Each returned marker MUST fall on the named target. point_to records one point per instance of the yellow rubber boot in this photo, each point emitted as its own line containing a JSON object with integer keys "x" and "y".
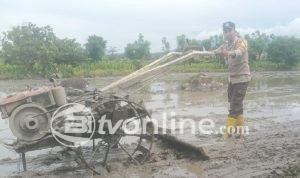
{"x": 240, "y": 122}
{"x": 230, "y": 126}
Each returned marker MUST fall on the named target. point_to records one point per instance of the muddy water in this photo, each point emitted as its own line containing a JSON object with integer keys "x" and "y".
{"x": 271, "y": 105}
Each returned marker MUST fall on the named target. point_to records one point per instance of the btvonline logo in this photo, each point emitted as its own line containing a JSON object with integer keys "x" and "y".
{"x": 72, "y": 125}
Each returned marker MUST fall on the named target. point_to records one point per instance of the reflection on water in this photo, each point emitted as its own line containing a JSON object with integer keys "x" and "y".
{"x": 2, "y": 94}
{"x": 276, "y": 97}
{"x": 5, "y": 135}
{"x": 270, "y": 95}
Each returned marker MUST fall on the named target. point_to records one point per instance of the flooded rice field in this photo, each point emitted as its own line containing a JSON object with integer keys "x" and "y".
{"x": 272, "y": 109}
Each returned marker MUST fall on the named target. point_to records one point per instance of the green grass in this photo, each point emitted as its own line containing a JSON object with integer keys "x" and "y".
{"x": 297, "y": 67}
{"x": 122, "y": 67}
{"x": 95, "y": 69}
{"x": 266, "y": 65}
{"x": 102, "y": 68}
{"x": 204, "y": 66}
{"x": 263, "y": 65}
{"x": 8, "y": 71}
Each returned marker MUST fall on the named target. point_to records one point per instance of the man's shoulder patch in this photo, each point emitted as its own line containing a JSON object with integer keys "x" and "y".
{"x": 241, "y": 43}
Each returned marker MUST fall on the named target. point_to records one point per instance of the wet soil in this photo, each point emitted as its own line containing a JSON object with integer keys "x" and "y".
{"x": 272, "y": 109}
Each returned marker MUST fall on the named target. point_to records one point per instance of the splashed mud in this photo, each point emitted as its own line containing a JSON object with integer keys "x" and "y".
{"x": 272, "y": 108}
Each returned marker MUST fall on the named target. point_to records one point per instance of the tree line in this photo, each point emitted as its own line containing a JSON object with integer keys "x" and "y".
{"x": 38, "y": 47}
{"x": 282, "y": 50}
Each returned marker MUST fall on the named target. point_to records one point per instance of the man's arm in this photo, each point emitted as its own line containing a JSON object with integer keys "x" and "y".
{"x": 219, "y": 50}
{"x": 241, "y": 48}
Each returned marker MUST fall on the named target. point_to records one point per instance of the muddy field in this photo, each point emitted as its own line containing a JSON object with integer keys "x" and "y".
{"x": 271, "y": 148}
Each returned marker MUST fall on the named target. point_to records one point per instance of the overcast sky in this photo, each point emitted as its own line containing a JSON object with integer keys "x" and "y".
{"x": 120, "y": 21}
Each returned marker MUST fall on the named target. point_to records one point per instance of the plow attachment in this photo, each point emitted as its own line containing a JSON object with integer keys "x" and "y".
{"x": 30, "y": 115}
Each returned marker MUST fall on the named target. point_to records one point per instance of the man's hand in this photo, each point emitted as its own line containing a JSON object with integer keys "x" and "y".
{"x": 225, "y": 54}
{"x": 222, "y": 53}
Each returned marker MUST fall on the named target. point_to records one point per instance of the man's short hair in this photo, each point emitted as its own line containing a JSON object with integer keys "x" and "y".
{"x": 228, "y": 26}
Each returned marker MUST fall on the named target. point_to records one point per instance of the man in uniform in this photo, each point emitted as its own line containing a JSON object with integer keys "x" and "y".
{"x": 235, "y": 53}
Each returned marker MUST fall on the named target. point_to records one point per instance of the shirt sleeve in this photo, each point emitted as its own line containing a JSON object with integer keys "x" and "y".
{"x": 241, "y": 48}
{"x": 219, "y": 49}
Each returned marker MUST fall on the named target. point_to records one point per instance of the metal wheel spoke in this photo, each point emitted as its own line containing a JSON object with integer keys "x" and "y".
{"x": 95, "y": 151}
{"x": 131, "y": 156}
{"x": 106, "y": 155}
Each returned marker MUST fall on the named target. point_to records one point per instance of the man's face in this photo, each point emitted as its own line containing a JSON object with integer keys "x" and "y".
{"x": 229, "y": 34}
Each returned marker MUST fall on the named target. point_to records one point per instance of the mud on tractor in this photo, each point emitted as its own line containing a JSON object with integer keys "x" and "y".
{"x": 30, "y": 114}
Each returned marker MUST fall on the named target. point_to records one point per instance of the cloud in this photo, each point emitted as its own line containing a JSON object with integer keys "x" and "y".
{"x": 119, "y": 21}
{"x": 290, "y": 29}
